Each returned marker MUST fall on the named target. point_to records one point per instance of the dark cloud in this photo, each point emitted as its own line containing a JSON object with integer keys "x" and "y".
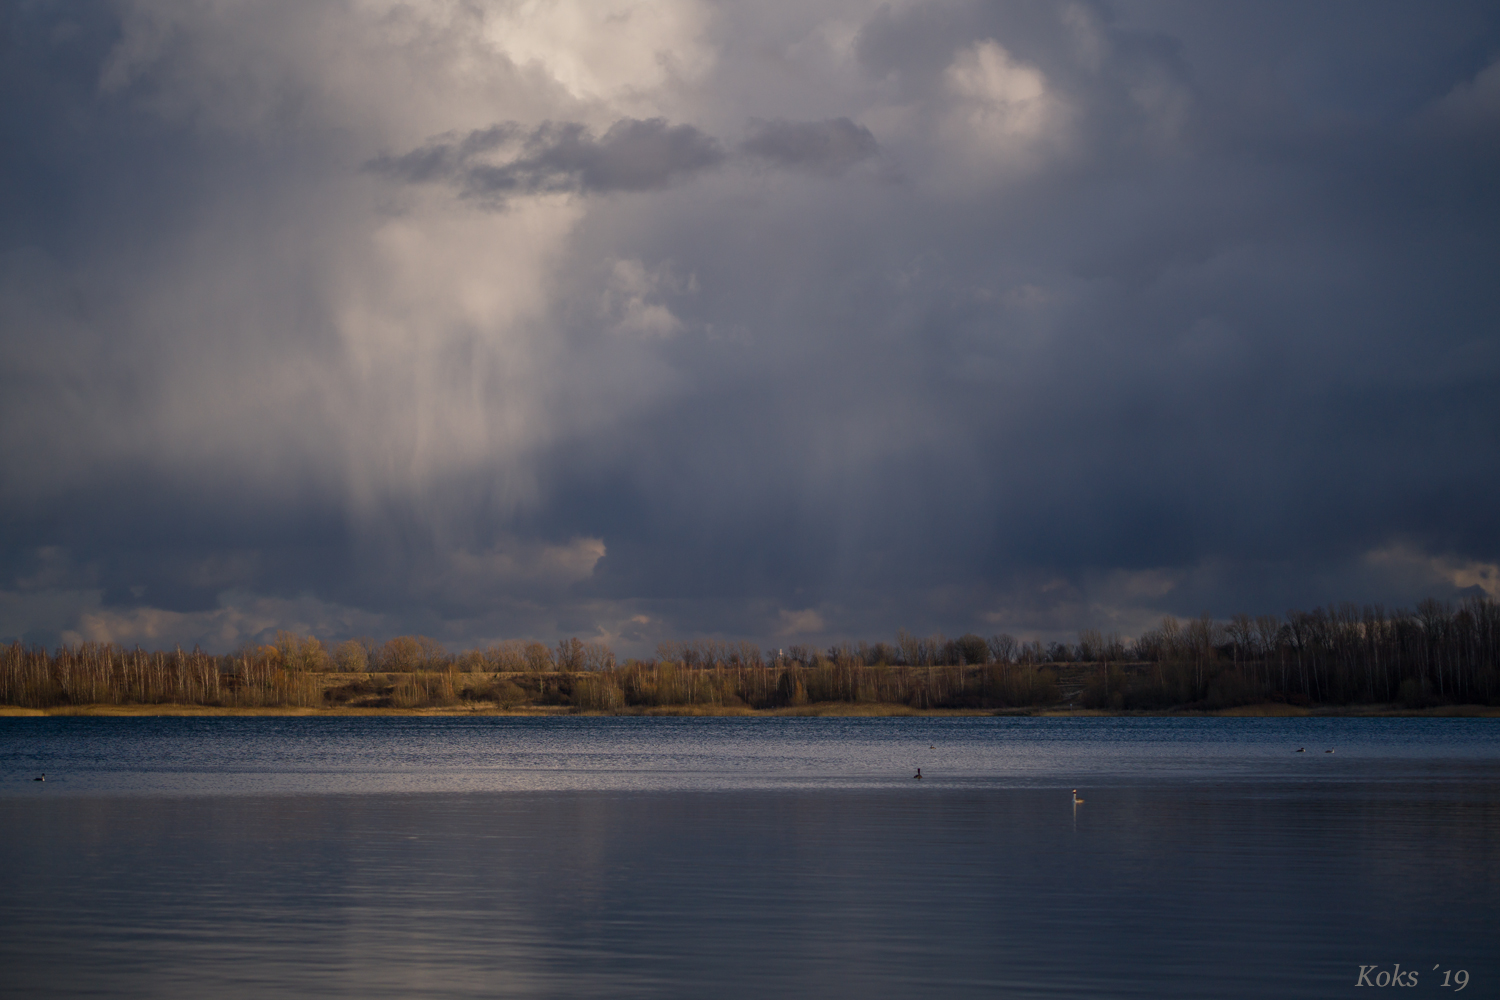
{"x": 825, "y": 147}
{"x": 1178, "y": 307}
{"x": 506, "y": 159}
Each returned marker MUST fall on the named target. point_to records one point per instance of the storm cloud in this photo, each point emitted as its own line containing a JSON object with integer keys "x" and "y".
{"x": 792, "y": 322}
{"x": 829, "y": 147}
{"x": 507, "y": 159}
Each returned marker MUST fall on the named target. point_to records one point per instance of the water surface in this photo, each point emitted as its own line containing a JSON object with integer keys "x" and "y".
{"x": 384, "y": 857}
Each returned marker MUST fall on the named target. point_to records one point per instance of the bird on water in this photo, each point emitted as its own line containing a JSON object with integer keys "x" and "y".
{"x": 1328, "y": 751}
{"x": 42, "y": 778}
{"x": 918, "y": 775}
{"x": 1302, "y": 749}
{"x": 1076, "y": 800}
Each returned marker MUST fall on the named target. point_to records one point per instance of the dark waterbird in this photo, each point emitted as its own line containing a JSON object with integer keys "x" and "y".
{"x": 918, "y": 775}
{"x": 42, "y": 778}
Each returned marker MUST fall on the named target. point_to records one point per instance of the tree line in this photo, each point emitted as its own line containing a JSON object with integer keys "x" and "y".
{"x": 1437, "y": 653}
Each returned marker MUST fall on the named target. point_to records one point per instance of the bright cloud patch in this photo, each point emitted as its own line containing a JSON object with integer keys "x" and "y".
{"x": 1003, "y": 113}
{"x": 1428, "y": 570}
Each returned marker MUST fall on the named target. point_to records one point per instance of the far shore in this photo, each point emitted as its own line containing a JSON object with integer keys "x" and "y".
{"x": 818, "y": 710}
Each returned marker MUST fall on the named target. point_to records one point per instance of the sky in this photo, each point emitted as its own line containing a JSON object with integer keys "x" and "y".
{"x": 790, "y": 322}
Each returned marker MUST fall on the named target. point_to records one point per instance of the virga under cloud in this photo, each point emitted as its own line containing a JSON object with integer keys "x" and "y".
{"x": 788, "y": 322}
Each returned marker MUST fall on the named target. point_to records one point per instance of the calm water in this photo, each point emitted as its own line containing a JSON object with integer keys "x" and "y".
{"x": 379, "y": 857}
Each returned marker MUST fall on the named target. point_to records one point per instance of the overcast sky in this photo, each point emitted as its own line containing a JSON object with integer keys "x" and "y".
{"x": 794, "y": 321}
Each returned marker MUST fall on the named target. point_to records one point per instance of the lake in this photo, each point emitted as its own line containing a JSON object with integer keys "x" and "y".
{"x": 630, "y": 857}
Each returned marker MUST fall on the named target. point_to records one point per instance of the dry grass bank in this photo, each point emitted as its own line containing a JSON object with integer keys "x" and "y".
{"x": 827, "y": 709}
{"x": 284, "y": 711}
{"x": 820, "y": 710}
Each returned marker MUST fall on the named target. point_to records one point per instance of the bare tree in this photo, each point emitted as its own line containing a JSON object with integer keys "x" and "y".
{"x": 1003, "y": 647}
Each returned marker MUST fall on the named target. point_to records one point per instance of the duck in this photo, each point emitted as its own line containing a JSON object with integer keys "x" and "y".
{"x": 1302, "y": 749}
{"x": 1076, "y": 800}
{"x": 1328, "y": 751}
{"x": 42, "y": 778}
{"x": 918, "y": 775}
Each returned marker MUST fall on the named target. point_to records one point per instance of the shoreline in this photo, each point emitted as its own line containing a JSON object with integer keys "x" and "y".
{"x": 820, "y": 710}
